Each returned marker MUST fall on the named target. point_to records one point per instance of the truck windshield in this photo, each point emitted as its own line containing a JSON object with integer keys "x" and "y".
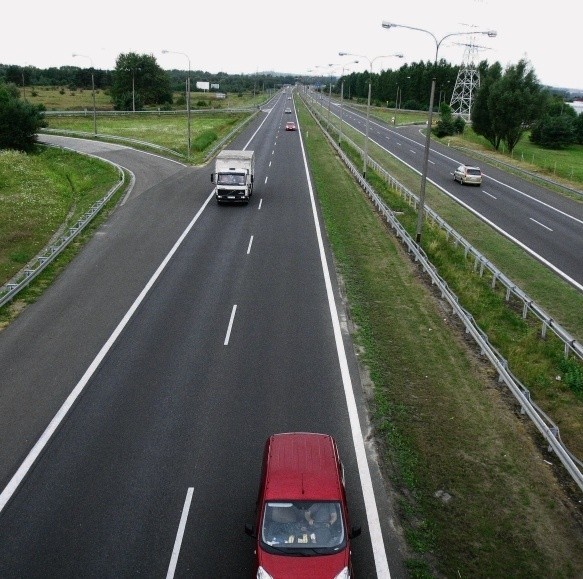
{"x": 231, "y": 179}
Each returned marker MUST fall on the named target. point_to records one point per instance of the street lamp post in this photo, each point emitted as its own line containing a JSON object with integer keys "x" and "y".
{"x": 187, "y": 98}
{"x": 92, "y": 92}
{"x": 344, "y": 66}
{"x": 398, "y": 55}
{"x": 342, "y": 99}
{"x": 133, "y": 71}
{"x": 385, "y": 24}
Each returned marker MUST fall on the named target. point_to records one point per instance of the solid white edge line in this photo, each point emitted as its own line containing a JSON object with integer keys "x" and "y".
{"x": 226, "y": 342}
{"x": 180, "y": 534}
{"x": 372, "y": 515}
{"x": 41, "y": 443}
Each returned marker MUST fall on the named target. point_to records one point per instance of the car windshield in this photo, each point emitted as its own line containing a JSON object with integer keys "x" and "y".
{"x": 231, "y": 179}
{"x": 303, "y": 526}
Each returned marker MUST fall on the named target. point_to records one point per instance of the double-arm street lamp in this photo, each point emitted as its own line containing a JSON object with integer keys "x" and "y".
{"x": 385, "y": 24}
{"x": 92, "y": 91}
{"x": 344, "y": 67}
{"x": 398, "y": 55}
{"x": 187, "y": 97}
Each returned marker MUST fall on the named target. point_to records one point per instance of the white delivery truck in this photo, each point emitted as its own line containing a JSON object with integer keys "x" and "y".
{"x": 233, "y": 175}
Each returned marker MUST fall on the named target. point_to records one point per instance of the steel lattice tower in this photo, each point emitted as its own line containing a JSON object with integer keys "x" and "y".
{"x": 468, "y": 80}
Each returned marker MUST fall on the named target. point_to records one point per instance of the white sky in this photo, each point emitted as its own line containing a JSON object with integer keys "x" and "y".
{"x": 246, "y": 36}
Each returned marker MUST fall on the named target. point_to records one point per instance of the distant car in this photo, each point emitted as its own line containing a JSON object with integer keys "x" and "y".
{"x": 290, "y": 126}
{"x": 301, "y": 526}
{"x": 468, "y": 175}
{"x": 288, "y": 111}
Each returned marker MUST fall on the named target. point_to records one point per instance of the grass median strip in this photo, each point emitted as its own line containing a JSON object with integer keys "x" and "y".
{"x": 476, "y": 498}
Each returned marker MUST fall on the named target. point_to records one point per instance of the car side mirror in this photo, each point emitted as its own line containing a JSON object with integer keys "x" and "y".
{"x": 355, "y": 531}
{"x": 250, "y": 530}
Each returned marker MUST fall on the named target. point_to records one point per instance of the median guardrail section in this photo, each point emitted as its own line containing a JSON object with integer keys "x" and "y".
{"x": 543, "y": 423}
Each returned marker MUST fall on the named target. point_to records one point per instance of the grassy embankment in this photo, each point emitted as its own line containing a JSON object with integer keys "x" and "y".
{"x": 442, "y": 417}
{"x": 475, "y": 495}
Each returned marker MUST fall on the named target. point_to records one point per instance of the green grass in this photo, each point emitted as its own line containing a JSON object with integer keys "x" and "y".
{"x": 168, "y": 131}
{"x": 39, "y": 194}
{"x": 536, "y": 362}
{"x": 443, "y": 423}
{"x": 80, "y": 99}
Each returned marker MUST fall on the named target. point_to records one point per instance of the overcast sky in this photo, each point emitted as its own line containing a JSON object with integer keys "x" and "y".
{"x": 248, "y": 36}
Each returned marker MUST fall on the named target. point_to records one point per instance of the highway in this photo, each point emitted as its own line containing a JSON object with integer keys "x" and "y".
{"x": 545, "y": 224}
{"x": 137, "y": 393}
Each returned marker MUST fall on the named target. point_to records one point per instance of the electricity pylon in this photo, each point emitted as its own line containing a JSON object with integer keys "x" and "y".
{"x": 467, "y": 82}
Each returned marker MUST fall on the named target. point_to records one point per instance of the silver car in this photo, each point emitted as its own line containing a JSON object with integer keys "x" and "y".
{"x": 468, "y": 175}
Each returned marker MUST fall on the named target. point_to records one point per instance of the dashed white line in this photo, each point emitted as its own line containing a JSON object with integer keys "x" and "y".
{"x": 249, "y": 247}
{"x": 180, "y": 534}
{"x": 260, "y": 202}
{"x": 541, "y": 224}
{"x": 489, "y": 194}
{"x": 226, "y": 342}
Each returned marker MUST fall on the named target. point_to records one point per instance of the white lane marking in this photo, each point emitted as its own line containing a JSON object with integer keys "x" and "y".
{"x": 180, "y": 534}
{"x": 264, "y": 182}
{"x": 514, "y": 240}
{"x": 489, "y": 194}
{"x": 249, "y": 247}
{"x": 39, "y": 446}
{"x": 372, "y": 515}
{"x": 541, "y": 224}
{"x": 226, "y": 342}
{"x": 260, "y": 202}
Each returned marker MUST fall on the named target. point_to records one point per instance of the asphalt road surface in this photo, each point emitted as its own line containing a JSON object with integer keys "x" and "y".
{"x": 547, "y": 225}
{"x": 137, "y": 393}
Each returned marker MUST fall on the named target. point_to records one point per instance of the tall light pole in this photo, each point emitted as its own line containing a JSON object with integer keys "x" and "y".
{"x": 187, "y": 98}
{"x": 92, "y": 92}
{"x": 344, "y": 67}
{"x": 385, "y": 24}
{"x": 398, "y": 55}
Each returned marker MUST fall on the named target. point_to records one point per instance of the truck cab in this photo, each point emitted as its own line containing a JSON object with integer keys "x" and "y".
{"x": 233, "y": 176}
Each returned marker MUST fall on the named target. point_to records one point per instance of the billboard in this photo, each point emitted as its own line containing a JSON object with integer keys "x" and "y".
{"x": 202, "y": 85}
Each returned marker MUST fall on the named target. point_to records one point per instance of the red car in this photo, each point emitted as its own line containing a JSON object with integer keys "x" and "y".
{"x": 302, "y": 527}
{"x": 290, "y": 126}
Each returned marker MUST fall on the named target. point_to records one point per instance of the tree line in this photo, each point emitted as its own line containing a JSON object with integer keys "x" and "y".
{"x": 508, "y": 102}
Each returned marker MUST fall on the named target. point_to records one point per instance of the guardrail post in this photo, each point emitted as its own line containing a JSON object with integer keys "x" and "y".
{"x": 554, "y": 430}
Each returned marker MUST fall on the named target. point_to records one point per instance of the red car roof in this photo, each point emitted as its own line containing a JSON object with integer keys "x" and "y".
{"x": 302, "y": 466}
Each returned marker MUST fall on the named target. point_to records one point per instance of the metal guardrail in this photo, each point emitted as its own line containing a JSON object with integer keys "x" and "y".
{"x": 49, "y": 253}
{"x": 9, "y": 290}
{"x": 548, "y": 429}
{"x": 482, "y": 264}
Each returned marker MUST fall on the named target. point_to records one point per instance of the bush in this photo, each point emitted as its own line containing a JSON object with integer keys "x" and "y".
{"x": 20, "y": 120}
{"x": 204, "y": 140}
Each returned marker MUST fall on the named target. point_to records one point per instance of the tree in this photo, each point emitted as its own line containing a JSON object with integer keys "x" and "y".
{"x": 554, "y": 132}
{"x": 557, "y": 127}
{"x": 19, "y": 120}
{"x": 481, "y": 115}
{"x": 579, "y": 129}
{"x": 138, "y": 78}
{"x": 515, "y": 102}
{"x": 445, "y": 126}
